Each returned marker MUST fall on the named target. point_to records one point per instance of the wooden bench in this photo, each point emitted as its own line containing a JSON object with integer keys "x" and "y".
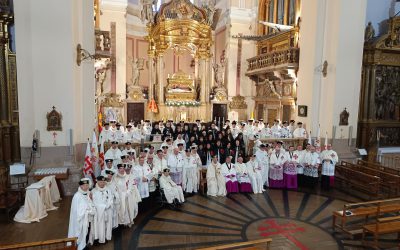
{"x": 243, "y": 245}
{"x": 351, "y": 178}
{"x": 395, "y": 171}
{"x": 382, "y": 225}
{"x": 59, "y": 244}
{"x": 361, "y": 210}
{"x": 389, "y": 183}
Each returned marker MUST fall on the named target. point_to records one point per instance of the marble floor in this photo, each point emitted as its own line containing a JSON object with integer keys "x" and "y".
{"x": 293, "y": 219}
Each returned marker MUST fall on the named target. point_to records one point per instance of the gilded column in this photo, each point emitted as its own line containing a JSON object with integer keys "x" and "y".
{"x": 160, "y": 74}
{"x": 152, "y": 77}
{"x": 203, "y": 76}
{"x": 208, "y": 81}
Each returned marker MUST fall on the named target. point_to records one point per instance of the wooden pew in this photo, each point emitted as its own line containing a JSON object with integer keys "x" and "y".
{"x": 389, "y": 183}
{"x": 382, "y": 225}
{"x": 351, "y": 178}
{"x": 243, "y": 245}
{"x": 363, "y": 211}
{"x": 60, "y": 244}
{"x": 395, "y": 171}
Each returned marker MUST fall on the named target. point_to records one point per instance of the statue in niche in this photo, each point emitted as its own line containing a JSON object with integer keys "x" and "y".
{"x": 147, "y": 10}
{"x": 270, "y": 89}
{"x": 209, "y": 6}
{"x": 344, "y": 118}
{"x": 369, "y": 32}
{"x": 137, "y": 66}
{"x": 219, "y": 71}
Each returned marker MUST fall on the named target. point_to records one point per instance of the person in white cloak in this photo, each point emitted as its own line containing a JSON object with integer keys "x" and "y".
{"x": 262, "y": 158}
{"x": 134, "y": 196}
{"x": 215, "y": 179}
{"x": 311, "y": 165}
{"x": 277, "y": 160}
{"x": 171, "y": 190}
{"x": 298, "y": 157}
{"x": 125, "y": 189}
{"x": 190, "y": 178}
{"x": 160, "y": 162}
{"x": 243, "y": 175}
{"x": 114, "y": 192}
{"x": 299, "y": 132}
{"x": 82, "y": 214}
{"x": 228, "y": 170}
{"x": 329, "y": 159}
{"x": 114, "y": 153}
{"x": 143, "y": 175}
{"x": 255, "y": 174}
{"x": 103, "y": 201}
{"x": 175, "y": 163}
{"x": 180, "y": 140}
{"x": 105, "y": 134}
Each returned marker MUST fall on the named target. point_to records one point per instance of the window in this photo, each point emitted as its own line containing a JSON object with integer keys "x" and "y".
{"x": 281, "y": 11}
{"x": 292, "y": 12}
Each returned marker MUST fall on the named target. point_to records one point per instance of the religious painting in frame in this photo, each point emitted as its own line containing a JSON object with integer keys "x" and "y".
{"x": 113, "y": 114}
{"x": 302, "y": 111}
{"x": 54, "y": 120}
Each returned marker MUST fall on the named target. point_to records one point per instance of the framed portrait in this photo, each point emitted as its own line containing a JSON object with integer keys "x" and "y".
{"x": 302, "y": 111}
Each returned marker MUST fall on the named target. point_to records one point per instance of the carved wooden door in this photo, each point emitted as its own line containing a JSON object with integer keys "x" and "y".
{"x": 135, "y": 112}
{"x": 272, "y": 115}
{"x": 286, "y": 113}
{"x": 260, "y": 111}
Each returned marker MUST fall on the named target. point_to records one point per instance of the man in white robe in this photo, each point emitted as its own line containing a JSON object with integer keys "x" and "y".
{"x": 103, "y": 201}
{"x": 105, "y": 134}
{"x": 190, "y": 177}
{"x": 114, "y": 153}
{"x": 160, "y": 162}
{"x": 128, "y": 135}
{"x": 299, "y": 132}
{"x": 228, "y": 170}
{"x": 255, "y": 174}
{"x": 134, "y": 196}
{"x": 277, "y": 160}
{"x": 215, "y": 179}
{"x": 263, "y": 161}
{"x": 82, "y": 214}
{"x": 172, "y": 191}
{"x": 329, "y": 159}
{"x": 124, "y": 188}
{"x": 114, "y": 192}
{"x": 180, "y": 140}
{"x": 175, "y": 164}
{"x": 243, "y": 176}
{"x": 311, "y": 165}
{"x": 143, "y": 175}
{"x": 298, "y": 158}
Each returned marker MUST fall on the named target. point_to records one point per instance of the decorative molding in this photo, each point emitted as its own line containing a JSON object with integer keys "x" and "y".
{"x": 112, "y": 100}
{"x": 238, "y": 102}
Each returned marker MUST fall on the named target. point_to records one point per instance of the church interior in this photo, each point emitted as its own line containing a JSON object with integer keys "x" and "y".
{"x": 200, "y": 124}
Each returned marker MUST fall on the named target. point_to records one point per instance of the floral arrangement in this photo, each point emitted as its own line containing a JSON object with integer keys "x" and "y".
{"x": 182, "y": 103}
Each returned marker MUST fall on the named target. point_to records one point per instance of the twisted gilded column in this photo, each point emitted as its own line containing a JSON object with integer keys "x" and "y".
{"x": 160, "y": 74}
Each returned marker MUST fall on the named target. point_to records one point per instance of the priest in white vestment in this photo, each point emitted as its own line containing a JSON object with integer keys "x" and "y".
{"x": 160, "y": 162}
{"x": 103, "y": 201}
{"x": 106, "y": 134}
{"x": 175, "y": 164}
{"x": 114, "y": 192}
{"x": 277, "y": 160}
{"x": 114, "y": 153}
{"x": 329, "y": 159}
{"x": 298, "y": 157}
{"x": 134, "y": 196}
{"x": 82, "y": 214}
{"x": 172, "y": 191}
{"x": 125, "y": 189}
{"x": 299, "y": 132}
{"x": 215, "y": 179}
{"x": 228, "y": 170}
{"x": 143, "y": 175}
{"x": 243, "y": 175}
{"x": 290, "y": 169}
{"x": 263, "y": 160}
{"x": 255, "y": 173}
{"x": 311, "y": 165}
{"x": 190, "y": 176}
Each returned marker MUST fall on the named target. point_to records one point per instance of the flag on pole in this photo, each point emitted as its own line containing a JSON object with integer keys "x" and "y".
{"x": 88, "y": 167}
{"x": 94, "y": 150}
{"x": 100, "y": 121}
{"x": 309, "y": 138}
{"x": 326, "y": 140}
{"x": 101, "y": 156}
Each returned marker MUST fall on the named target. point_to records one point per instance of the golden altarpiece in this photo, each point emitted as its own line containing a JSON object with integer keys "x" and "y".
{"x": 379, "y": 113}
{"x": 184, "y": 28}
{"x": 10, "y": 151}
{"x": 274, "y": 69}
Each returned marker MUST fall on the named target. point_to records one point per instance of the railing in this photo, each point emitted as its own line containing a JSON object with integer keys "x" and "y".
{"x": 386, "y": 160}
{"x": 290, "y": 56}
{"x": 66, "y": 244}
{"x": 242, "y": 245}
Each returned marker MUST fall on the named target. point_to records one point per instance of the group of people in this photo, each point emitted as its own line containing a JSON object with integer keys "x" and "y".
{"x": 187, "y": 151}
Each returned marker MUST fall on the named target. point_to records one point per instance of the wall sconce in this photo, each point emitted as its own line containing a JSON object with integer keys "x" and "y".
{"x": 82, "y": 55}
